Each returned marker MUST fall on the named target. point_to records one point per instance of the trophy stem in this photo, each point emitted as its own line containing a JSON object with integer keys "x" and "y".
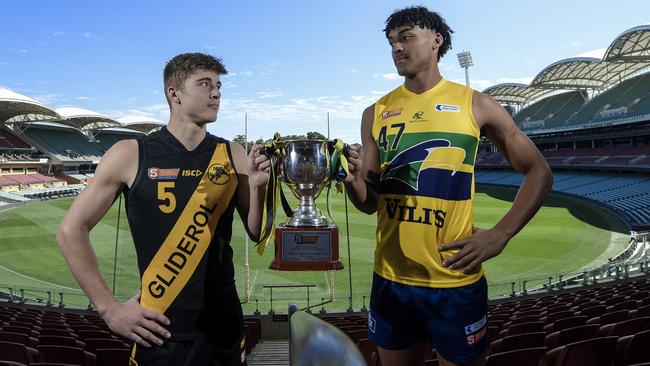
{"x": 307, "y": 214}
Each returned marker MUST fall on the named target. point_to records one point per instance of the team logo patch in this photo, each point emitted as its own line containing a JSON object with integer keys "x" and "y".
{"x": 393, "y": 113}
{"x": 163, "y": 174}
{"x": 476, "y": 331}
{"x": 430, "y": 154}
{"x": 447, "y": 108}
{"x": 218, "y": 174}
{"x": 372, "y": 323}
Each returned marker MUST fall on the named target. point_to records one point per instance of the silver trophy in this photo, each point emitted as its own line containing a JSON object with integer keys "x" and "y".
{"x": 307, "y": 241}
{"x": 305, "y": 168}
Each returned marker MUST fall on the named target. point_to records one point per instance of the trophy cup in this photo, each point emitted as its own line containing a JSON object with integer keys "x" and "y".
{"x": 307, "y": 241}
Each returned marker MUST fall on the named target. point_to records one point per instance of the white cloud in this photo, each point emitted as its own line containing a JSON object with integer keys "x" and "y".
{"x": 354, "y": 70}
{"x": 11, "y": 64}
{"x": 597, "y": 53}
{"x": 89, "y": 35}
{"x": 51, "y": 98}
{"x": 83, "y": 97}
{"x": 296, "y": 115}
{"x": 391, "y": 76}
{"x": 574, "y": 44}
{"x": 228, "y": 85}
{"x": 450, "y": 67}
{"x": 55, "y": 33}
{"x": 19, "y": 50}
{"x": 247, "y": 74}
{"x": 159, "y": 111}
{"x": 270, "y": 94}
{"x": 522, "y": 80}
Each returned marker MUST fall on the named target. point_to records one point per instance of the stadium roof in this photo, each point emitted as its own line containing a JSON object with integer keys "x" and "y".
{"x": 141, "y": 123}
{"x": 84, "y": 119}
{"x": 515, "y": 93}
{"x": 17, "y": 108}
{"x": 627, "y": 54}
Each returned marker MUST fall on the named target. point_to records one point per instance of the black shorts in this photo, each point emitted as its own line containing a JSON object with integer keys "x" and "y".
{"x": 192, "y": 352}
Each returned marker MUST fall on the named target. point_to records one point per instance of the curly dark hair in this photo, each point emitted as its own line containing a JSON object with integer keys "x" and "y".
{"x": 181, "y": 66}
{"x": 423, "y": 18}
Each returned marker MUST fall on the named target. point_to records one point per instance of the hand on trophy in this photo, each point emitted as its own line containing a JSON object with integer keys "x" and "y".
{"x": 354, "y": 154}
{"x": 259, "y": 166}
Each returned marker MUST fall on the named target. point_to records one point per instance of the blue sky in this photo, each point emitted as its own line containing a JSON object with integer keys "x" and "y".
{"x": 290, "y": 62}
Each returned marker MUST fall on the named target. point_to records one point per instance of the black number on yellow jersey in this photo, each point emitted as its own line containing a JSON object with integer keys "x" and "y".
{"x": 167, "y": 196}
{"x": 382, "y": 142}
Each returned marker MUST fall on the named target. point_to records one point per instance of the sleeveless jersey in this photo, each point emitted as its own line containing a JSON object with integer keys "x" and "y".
{"x": 180, "y": 210}
{"x": 427, "y": 146}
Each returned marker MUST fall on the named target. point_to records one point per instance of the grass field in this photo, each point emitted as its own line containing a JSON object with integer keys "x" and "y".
{"x": 559, "y": 239}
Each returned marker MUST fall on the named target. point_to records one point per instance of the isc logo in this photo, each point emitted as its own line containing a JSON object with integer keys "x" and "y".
{"x": 191, "y": 173}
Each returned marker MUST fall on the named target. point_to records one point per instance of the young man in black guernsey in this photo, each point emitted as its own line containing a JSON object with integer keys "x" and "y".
{"x": 181, "y": 185}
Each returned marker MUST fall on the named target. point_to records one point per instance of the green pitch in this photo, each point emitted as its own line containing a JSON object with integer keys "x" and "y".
{"x": 562, "y": 238}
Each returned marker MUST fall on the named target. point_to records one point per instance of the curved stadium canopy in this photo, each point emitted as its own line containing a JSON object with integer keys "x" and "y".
{"x": 17, "y": 108}
{"x": 141, "y": 123}
{"x": 626, "y": 55}
{"x": 84, "y": 119}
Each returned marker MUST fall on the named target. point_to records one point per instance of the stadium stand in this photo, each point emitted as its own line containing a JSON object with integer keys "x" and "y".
{"x": 11, "y": 141}
{"x": 551, "y": 111}
{"x": 29, "y": 335}
{"x": 629, "y": 98}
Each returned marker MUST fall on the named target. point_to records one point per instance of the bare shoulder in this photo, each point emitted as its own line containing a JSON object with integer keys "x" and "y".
{"x": 119, "y": 162}
{"x": 367, "y": 118}
{"x": 238, "y": 154}
{"x": 369, "y": 113}
{"x": 487, "y": 110}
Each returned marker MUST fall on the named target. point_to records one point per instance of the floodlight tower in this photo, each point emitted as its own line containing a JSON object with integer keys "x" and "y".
{"x": 465, "y": 60}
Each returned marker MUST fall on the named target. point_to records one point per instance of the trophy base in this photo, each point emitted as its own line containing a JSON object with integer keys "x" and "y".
{"x": 306, "y": 248}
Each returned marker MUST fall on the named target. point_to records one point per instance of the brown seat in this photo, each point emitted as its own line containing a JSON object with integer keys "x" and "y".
{"x": 626, "y": 327}
{"x": 592, "y": 352}
{"x": 571, "y": 335}
{"x": 65, "y": 354}
{"x": 609, "y": 318}
{"x": 57, "y": 332}
{"x": 633, "y": 349}
{"x": 51, "y": 340}
{"x": 366, "y": 347}
{"x": 518, "y": 341}
{"x": 594, "y": 311}
{"x": 11, "y": 351}
{"x": 565, "y": 323}
{"x": 84, "y": 334}
{"x": 19, "y": 338}
{"x": 522, "y": 357}
{"x": 529, "y": 327}
{"x": 112, "y": 356}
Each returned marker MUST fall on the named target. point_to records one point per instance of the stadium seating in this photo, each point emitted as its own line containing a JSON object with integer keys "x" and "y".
{"x": 10, "y": 140}
{"x": 550, "y": 112}
{"x": 622, "y": 95}
{"x": 624, "y": 193}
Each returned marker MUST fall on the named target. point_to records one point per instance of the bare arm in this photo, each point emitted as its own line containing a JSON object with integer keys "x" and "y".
{"x": 525, "y": 158}
{"x": 361, "y": 185}
{"x": 252, "y": 171}
{"x": 116, "y": 169}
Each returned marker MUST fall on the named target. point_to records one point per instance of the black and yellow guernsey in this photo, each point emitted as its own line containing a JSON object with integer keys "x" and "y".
{"x": 180, "y": 209}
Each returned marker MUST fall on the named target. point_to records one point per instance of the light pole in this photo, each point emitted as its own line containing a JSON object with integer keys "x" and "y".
{"x": 465, "y": 60}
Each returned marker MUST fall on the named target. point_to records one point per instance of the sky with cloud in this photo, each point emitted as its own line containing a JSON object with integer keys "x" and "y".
{"x": 290, "y": 63}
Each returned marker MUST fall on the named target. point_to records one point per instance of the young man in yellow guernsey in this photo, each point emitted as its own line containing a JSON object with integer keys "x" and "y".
{"x": 416, "y": 170}
{"x": 181, "y": 185}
